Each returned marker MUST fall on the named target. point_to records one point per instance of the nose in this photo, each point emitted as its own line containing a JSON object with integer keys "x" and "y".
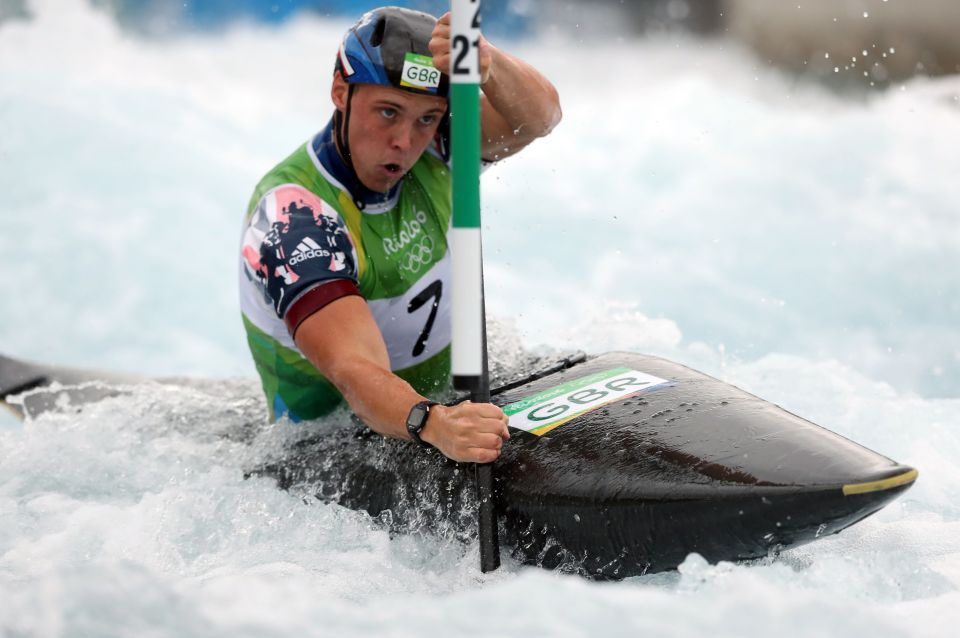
{"x": 402, "y": 137}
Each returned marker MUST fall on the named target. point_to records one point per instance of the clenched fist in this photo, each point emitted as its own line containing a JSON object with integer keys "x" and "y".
{"x": 440, "y": 49}
{"x": 467, "y": 432}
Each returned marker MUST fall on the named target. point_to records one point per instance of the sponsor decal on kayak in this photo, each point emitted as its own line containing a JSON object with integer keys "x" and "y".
{"x": 419, "y": 73}
{"x": 544, "y": 411}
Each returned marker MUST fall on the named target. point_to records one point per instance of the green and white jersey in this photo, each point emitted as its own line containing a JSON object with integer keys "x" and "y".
{"x": 305, "y": 243}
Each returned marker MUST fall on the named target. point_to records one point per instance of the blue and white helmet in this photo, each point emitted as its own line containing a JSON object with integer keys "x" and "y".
{"x": 389, "y": 46}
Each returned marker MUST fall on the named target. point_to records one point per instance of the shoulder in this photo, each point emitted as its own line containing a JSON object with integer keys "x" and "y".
{"x": 283, "y": 200}
{"x": 297, "y": 169}
{"x": 288, "y": 215}
{"x": 293, "y": 242}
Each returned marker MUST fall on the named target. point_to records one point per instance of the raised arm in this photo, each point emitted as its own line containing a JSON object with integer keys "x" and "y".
{"x": 343, "y": 342}
{"x": 518, "y": 104}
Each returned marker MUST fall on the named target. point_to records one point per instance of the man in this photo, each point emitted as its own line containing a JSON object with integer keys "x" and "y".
{"x": 345, "y": 269}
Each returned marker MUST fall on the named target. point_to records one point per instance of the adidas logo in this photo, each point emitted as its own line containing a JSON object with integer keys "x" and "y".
{"x": 307, "y": 249}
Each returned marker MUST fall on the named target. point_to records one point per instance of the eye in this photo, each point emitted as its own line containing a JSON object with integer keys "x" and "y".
{"x": 388, "y": 112}
{"x": 427, "y": 120}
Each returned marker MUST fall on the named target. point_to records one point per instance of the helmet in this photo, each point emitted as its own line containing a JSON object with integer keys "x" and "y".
{"x": 388, "y": 46}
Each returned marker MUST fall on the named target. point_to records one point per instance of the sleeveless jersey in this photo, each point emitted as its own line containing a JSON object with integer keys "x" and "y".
{"x": 304, "y": 234}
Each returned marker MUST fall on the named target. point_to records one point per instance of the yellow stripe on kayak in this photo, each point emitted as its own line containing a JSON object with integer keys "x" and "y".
{"x": 877, "y": 486}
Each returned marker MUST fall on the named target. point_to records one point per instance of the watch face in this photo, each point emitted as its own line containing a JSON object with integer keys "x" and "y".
{"x": 417, "y": 415}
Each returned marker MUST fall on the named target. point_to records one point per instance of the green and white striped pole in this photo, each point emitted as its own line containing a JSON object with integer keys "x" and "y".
{"x": 469, "y": 329}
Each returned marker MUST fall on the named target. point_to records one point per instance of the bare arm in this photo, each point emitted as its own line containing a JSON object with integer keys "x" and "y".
{"x": 518, "y": 104}
{"x": 343, "y": 342}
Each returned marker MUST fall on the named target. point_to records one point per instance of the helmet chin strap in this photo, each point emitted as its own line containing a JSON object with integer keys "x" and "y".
{"x": 341, "y": 122}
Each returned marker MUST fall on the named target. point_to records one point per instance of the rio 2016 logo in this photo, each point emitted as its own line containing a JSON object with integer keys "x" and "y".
{"x": 409, "y": 231}
{"x": 418, "y": 256}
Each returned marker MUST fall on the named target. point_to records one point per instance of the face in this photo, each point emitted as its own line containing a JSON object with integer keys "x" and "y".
{"x": 388, "y": 131}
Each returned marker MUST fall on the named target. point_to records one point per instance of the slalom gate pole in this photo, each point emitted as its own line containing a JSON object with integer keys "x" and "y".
{"x": 469, "y": 328}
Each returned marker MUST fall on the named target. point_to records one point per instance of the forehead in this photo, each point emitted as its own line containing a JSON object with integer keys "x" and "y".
{"x": 406, "y": 99}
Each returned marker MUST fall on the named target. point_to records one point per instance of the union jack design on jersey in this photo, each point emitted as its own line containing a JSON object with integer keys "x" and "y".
{"x": 294, "y": 242}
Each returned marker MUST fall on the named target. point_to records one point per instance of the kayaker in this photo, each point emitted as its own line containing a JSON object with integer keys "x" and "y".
{"x": 345, "y": 273}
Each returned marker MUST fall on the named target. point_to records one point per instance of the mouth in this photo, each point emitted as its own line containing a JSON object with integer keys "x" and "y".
{"x": 394, "y": 170}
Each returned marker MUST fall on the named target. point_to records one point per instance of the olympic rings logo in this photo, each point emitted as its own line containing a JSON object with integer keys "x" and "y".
{"x": 419, "y": 255}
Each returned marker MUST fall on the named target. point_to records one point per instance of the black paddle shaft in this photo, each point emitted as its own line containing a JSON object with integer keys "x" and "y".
{"x": 479, "y": 388}
{"x": 487, "y": 511}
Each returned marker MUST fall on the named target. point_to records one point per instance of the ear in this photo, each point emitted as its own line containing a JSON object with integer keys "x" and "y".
{"x": 338, "y": 91}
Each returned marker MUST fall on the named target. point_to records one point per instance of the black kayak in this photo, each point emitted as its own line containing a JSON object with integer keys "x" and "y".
{"x": 620, "y": 464}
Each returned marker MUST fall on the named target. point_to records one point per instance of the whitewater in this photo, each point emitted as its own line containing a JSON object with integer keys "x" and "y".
{"x": 695, "y": 203}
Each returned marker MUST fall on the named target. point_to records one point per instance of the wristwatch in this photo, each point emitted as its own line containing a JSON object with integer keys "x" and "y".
{"x": 417, "y": 419}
